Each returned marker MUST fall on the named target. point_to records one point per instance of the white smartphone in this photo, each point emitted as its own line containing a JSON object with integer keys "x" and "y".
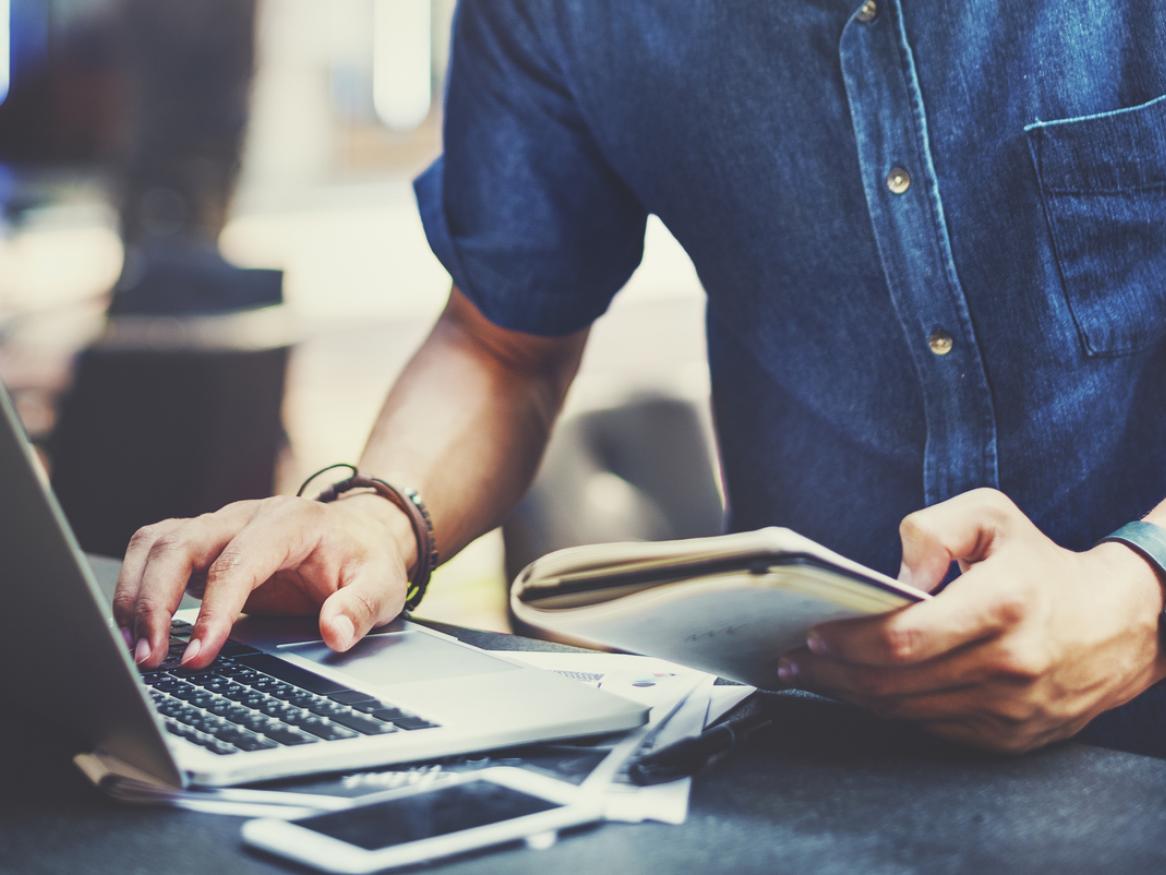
{"x": 404, "y": 827}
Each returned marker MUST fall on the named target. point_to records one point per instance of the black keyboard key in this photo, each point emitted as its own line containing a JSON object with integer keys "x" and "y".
{"x": 326, "y": 730}
{"x": 386, "y": 712}
{"x": 351, "y": 697}
{"x": 293, "y": 674}
{"x": 404, "y": 721}
{"x": 254, "y": 699}
{"x": 185, "y": 713}
{"x": 280, "y": 690}
{"x": 286, "y": 735}
{"x": 256, "y": 722}
{"x": 220, "y": 747}
{"x": 185, "y": 691}
{"x": 243, "y": 739}
{"x": 305, "y": 700}
{"x": 195, "y": 736}
{"x": 219, "y": 706}
{"x": 231, "y": 734}
{"x": 169, "y": 707}
{"x": 250, "y": 744}
{"x": 276, "y": 708}
{"x": 326, "y": 707}
{"x": 208, "y": 723}
{"x": 235, "y": 692}
{"x": 294, "y": 716}
{"x": 179, "y": 729}
{"x": 178, "y": 625}
{"x": 363, "y": 724}
{"x": 412, "y": 721}
{"x": 153, "y": 677}
{"x": 238, "y": 714}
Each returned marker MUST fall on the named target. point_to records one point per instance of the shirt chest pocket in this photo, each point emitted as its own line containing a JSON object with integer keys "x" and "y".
{"x": 1103, "y": 181}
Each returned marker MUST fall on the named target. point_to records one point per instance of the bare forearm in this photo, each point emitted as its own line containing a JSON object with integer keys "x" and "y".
{"x": 465, "y": 424}
{"x": 468, "y": 419}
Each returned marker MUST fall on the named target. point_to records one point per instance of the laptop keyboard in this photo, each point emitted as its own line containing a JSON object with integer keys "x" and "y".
{"x": 248, "y": 700}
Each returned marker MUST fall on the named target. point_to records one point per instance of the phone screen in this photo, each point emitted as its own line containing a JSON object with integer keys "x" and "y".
{"x": 425, "y": 815}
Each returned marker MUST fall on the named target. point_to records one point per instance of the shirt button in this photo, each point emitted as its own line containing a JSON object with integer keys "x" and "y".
{"x": 940, "y": 342}
{"x": 867, "y": 11}
{"x": 898, "y": 180}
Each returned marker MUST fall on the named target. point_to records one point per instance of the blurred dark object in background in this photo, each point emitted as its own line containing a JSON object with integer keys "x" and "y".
{"x": 176, "y": 410}
{"x": 641, "y": 470}
{"x": 188, "y": 71}
{"x": 170, "y": 418}
{"x": 189, "y": 67}
{"x": 153, "y": 90}
{"x": 63, "y": 105}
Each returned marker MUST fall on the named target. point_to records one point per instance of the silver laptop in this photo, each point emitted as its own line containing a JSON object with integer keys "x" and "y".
{"x": 277, "y": 702}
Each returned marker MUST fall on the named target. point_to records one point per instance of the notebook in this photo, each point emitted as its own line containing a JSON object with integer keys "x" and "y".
{"x": 731, "y": 605}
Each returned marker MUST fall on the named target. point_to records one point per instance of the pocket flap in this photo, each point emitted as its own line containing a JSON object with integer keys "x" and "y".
{"x": 1121, "y": 150}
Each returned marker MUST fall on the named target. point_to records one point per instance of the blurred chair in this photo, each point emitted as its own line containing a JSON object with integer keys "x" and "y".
{"x": 170, "y": 417}
{"x": 639, "y": 470}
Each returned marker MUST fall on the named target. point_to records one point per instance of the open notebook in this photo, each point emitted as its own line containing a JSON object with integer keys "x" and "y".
{"x": 730, "y": 605}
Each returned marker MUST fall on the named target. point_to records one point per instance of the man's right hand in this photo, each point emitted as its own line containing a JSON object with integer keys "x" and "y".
{"x": 347, "y": 560}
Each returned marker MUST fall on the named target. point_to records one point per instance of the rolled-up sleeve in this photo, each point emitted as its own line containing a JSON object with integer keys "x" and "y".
{"x": 522, "y": 208}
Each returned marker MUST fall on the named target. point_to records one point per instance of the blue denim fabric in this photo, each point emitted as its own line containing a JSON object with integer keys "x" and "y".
{"x": 1033, "y": 232}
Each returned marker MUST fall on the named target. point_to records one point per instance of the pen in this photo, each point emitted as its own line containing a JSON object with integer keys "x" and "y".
{"x": 688, "y": 756}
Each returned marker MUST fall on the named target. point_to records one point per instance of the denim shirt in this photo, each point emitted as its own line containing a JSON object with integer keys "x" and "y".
{"x": 932, "y": 234}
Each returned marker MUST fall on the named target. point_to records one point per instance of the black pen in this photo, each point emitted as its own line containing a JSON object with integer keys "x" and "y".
{"x": 689, "y": 755}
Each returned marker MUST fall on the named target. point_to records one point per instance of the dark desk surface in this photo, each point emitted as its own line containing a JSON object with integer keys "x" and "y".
{"x": 828, "y": 789}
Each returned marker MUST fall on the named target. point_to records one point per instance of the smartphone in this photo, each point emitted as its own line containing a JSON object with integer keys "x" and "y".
{"x": 404, "y": 827}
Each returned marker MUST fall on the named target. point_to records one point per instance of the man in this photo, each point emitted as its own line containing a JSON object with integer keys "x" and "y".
{"x": 920, "y": 296}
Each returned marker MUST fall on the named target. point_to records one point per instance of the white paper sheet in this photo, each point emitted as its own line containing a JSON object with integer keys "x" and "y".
{"x": 679, "y": 698}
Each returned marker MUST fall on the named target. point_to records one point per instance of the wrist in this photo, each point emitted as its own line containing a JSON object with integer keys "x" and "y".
{"x": 393, "y": 522}
{"x": 1143, "y": 593}
{"x": 419, "y": 556}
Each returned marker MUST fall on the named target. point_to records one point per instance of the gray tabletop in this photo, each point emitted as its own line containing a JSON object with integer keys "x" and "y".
{"x": 827, "y": 789}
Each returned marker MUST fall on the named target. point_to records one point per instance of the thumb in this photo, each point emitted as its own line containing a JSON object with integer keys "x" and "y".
{"x": 370, "y": 597}
{"x": 964, "y": 529}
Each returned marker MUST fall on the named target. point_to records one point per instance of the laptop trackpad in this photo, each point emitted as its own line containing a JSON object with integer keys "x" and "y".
{"x": 400, "y": 658}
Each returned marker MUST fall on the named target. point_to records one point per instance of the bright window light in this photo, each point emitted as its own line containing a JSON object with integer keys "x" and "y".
{"x": 402, "y": 77}
{"x": 5, "y": 49}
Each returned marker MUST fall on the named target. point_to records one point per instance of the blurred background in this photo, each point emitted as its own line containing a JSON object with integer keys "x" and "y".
{"x": 211, "y": 269}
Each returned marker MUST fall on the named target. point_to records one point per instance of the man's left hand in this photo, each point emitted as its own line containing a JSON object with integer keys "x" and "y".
{"x": 1024, "y": 648}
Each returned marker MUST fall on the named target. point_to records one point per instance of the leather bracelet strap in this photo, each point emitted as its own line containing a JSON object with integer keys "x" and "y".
{"x": 409, "y": 501}
{"x": 1149, "y": 541}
